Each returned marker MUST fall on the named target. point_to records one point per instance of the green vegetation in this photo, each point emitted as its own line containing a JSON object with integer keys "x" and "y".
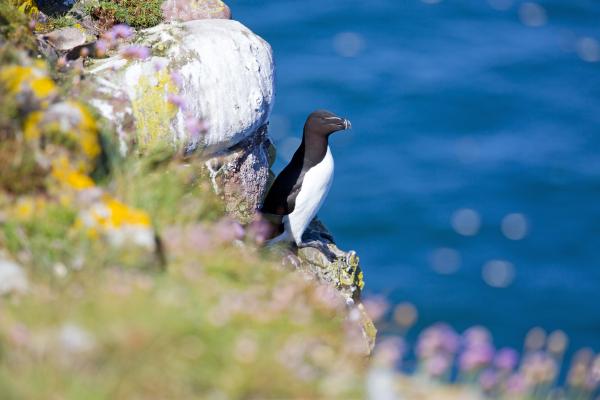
{"x": 14, "y": 29}
{"x": 139, "y": 14}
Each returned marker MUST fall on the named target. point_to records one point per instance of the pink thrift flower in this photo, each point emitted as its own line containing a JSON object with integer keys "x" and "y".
{"x": 261, "y": 229}
{"x": 109, "y": 36}
{"x": 376, "y": 307}
{"x": 122, "y": 31}
{"x": 160, "y": 64}
{"x": 228, "y": 230}
{"x": 506, "y": 359}
{"x": 177, "y": 100}
{"x": 177, "y": 79}
{"x": 488, "y": 380}
{"x": 516, "y": 385}
{"x": 476, "y": 357}
{"x": 195, "y": 126}
{"x": 437, "y": 365}
{"x": 136, "y": 52}
{"x": 101, "y": 47}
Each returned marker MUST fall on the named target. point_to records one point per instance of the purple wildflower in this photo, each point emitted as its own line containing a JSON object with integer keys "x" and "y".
{"x": 101, "y": 47}
{"x": 488, "y": 380}
{"x": 261, "y": 230}
{"x": 122, "y": 31}
{"x": 228, "y": 230}
{"x": 435, "y": 339}
{"x": 390, "y": 351}
{"x": 136, "y": 52}
{"x": 195, "y": 126}
{"x": 177, "y": 100}
{"x": 109, "y": 37}
{"x": 516, "y": 385}
{"x": 177, "y": 79}
{"x": 160, "y": 64}
{"x": 506, "y": 359}
{"x": 437, "y": 365}
{"x": 376, "y": 307}
{"x": 476, "y": 357}
{"x": 476, "y": 335}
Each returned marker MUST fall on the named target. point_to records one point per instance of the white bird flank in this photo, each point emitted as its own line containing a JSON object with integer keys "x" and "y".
{"x": 315, "y": 186}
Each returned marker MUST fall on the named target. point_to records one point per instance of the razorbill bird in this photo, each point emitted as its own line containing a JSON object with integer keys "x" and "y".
{"x": 300, "y": 189}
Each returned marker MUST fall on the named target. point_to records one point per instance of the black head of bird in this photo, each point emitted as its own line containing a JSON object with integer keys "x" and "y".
{"x": 324, "y": 123}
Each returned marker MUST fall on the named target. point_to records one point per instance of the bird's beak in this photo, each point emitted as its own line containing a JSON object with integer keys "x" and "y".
{"x": 347, "y": 124}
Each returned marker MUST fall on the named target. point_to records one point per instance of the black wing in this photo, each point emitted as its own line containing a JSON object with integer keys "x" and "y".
{"x": 281, "y": 198}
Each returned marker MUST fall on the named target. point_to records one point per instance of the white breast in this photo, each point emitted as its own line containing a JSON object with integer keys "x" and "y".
{"x": 315, "y": 186}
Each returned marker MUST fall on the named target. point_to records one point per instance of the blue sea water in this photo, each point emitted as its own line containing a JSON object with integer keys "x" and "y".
{"x": 492, "y": 106}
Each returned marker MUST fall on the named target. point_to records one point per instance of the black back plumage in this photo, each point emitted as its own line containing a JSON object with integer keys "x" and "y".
{"x": 281, "y": 198}
{"x": 282, "y": 195}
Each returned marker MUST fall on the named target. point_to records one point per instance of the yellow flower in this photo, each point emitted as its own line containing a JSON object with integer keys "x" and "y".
{"x": 24, "y": 209}
{"x": 122, "y": 215}
{"x": 68, "y": 176}
{"x": 27, "y": 207}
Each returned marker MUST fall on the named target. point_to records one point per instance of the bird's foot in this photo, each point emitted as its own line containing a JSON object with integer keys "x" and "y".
{"x": 322, "y": 247}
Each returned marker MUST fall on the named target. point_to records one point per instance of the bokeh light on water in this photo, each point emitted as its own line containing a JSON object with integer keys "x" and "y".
{"x": 498, "y": 273}
{"x": 514, "y": 226}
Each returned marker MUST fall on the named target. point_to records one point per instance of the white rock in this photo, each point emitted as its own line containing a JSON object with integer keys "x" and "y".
{"x": 12, "y": 278}
{"x": 227, "y": 80}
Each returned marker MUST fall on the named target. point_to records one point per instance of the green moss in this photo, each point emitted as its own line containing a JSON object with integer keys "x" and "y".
{"x": 14, "y": 30}
{"x": 60, "y": 21}
{"x": 139, "y": 14}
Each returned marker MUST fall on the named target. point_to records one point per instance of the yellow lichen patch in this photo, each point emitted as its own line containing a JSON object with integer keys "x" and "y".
{"x": 70, "y": 177}
{"x": 17, "y": 79}
{"x": 32, "y": 129}
{"x": 87, "y": 132}
{"x": 152, "y": 110}
{"x": 66, "y": 127}
{"x": 361, "y": 280}
{"x": 43, "y": 87}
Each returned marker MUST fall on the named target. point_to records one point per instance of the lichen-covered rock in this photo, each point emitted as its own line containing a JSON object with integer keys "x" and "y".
{"x": 241, "y": 175}
{"x": 29, "y": 85}
{"x": 215, "y": 71}
{"x": 188, "y": 10}
{"x": 344, "y": 271}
